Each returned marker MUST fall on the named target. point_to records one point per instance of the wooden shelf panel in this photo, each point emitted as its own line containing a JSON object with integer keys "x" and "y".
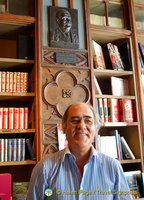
{"x": 114, "y": 97}
{"x": 108, "y": 73}
{"x": 105, "y": 34}
{"x": 2, "y": 131}
{"x": 11, "y": 163}
{"x": 130, "y": 161}
{"x": 120, "y": 124}
{"x": 16, "y": 96}
{"x": 11, "y": 62}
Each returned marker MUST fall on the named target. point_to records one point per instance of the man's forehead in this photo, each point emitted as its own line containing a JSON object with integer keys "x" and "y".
{"x": 80, "y": 110}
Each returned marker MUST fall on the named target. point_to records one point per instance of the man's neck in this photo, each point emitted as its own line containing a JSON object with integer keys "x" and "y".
{"x": 82, "y": 157}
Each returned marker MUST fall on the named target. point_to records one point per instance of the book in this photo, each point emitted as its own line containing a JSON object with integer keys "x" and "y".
{"x": 1, "y": 150}
{"x": 3, "y": 81}
{"x": 5, "y": 186}
{"x": 119, "y": 86}
{"x": 98, "y": 57}
{"x": 127, "y": 153}
{"x": 22, "y": 149}
{"x": 5, "y": 150}
{"x": 125, "y": 55}
{"x": 26, "y": 116}
{"x": 16, "y": 118}
{"x": 11, "y": 82}
{"x": 134, "y": 182}
{"x": 115, "y": 113}
{"x": 11, "y": 117}
{"x": 1, "y": 117}
{"x": 101, "y": 109}
{"x": 14, "y": 81}
{"x": 30, "y": 149}
{"x": 126, "y": 109}
{"x": 14, "y": 149}
{"x": 141, "y": 51}
{"x": 105, "y": 106}
{"x": 7, "y": 81}
{"x": 9, "y": 149}
{"x": 21, "y": 118}
{"x": 20, "y": 190}
{"x": 115, "y": 58}
{"x": 62, "y": 142}
{"x": 115, "y": 133}
{"x": 97, "y": 87}
{"x": 108, "y": 146}
{"x": 5, "y": 118}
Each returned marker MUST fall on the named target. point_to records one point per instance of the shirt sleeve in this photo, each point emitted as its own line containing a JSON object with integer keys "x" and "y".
{"x": 121, "y": 189}
{"x": 38, "y": 183}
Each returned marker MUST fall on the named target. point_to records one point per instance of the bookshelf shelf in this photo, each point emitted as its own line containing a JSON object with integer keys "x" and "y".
{"x": 109, "y": 73}
{"x": 11, "y": 62}
{"x": 8, "y": 131}
{"x": 16, "y": 96}
{"x": 25, "y": 162}
{"x": 120, "y": 124}
{"x": 115, "y": 97}
{"x": 130, "y": 161}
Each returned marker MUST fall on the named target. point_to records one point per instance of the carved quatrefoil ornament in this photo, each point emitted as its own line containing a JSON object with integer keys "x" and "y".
{"x": 64, "y": 91}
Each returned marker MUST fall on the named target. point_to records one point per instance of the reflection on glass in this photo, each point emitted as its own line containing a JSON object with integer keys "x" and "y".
{"x": 97, "y": 10}
{"x": 139, "y": 1}
{"x": 139, "y": 17}
{"x": 116, "y": 15}
{"x": 2, "y": 6}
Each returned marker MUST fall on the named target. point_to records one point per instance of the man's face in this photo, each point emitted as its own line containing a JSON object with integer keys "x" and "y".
{"x": 65, "y": 23}
{"x": 80, "y": 130}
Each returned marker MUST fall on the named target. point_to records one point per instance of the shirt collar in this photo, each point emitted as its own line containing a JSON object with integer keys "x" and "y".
{"x": 67, "y": 152}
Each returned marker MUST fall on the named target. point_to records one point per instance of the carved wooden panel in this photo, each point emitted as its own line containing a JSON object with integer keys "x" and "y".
{"x": 50, "y": 142}
{"x": 49, "y": 57}
{"x": 60, "y": 88}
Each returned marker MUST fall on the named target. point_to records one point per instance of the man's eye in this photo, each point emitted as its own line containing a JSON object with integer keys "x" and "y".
{"x": 75, "y": 121}
{"x": 88, "y": 121}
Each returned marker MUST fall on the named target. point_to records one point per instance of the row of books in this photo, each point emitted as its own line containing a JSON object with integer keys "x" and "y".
{"x": 16, "y": 149}
{"x": 12, "y": 149}
{"x": 115, "y": 110}
{"x": 142, "y": 79}
{"x": 115, "y": 146}
{"x": 14, "y": 117}
{"x": 13, "y": 81}
{"x": 119, "y": 57}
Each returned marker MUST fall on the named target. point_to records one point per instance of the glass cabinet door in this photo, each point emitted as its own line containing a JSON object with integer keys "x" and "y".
{"x": 139, "y": 14}
{"x": 107, "y": 13}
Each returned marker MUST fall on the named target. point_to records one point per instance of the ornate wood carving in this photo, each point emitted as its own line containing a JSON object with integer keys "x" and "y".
{"x": 63, "y": 90}
{"x": 49, "y": 58}
{"x": 50, "y": 144}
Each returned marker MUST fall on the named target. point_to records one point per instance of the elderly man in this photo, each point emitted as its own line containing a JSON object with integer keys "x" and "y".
{"x": 79, "y": 172}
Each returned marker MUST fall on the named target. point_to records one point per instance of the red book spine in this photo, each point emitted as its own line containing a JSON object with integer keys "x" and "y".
{"x": 21, "y": 118}
{"x": 128, "y": 108}
{"x": 21, "y": 81}
{"x": 3, "y": 81}
{"x": 7, "y": 81}
{"x": 5, "y": 118}
{"x": 122, "y": 118}
{"x": 115, "y": 114}
{"x": 11, "y": 82}
{"x": 18, "y": 82}
{"x": 11, "y": 118}
{"x": 26, "y": 111}
{"x": 25, "y": 85}
{"x": 1, "y": 117}
{"x": 0, "y": 81}
{"x": 14, "y": 81}
{"x": 16, "y": 118}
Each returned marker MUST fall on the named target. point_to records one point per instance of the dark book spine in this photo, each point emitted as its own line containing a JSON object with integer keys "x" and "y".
{"x": 29, "y": 146}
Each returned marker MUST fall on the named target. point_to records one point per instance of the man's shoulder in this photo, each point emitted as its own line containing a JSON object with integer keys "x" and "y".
{"x": 103, "y": 158}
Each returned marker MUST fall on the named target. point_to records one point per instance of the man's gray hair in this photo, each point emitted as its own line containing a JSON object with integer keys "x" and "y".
{"x": 97, "y": 120}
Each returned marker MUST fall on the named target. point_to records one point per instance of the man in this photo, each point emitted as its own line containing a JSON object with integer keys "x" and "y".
{"x": 79, "y": 172}
{"x": 63, "y": 32}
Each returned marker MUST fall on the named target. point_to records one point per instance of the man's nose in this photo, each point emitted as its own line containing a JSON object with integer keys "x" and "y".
{"x": 81, "y": 124}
